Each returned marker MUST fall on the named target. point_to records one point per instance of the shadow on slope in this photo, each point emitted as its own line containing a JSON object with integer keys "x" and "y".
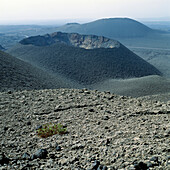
{"x": 18, "y": 75}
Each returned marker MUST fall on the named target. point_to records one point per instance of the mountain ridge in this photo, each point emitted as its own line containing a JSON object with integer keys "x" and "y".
{"x": 110, "y": 27}
{"x": 72, "y": 39}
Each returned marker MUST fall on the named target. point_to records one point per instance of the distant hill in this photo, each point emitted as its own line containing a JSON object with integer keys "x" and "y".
{"x": 18, "y": 75}
{"x": 85, "y": 66}
{"x": 111, "y": 28}
{"x": 115, "y": 28}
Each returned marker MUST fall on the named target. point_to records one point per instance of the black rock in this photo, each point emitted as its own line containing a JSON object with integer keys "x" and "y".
{"x": 33, "y": 157}
{"x": 5, "y": 128}
{"x": 58, "y": 148}
{"x": 52, "y": 156}
{"x": 154, "y": 159}
{"x": 91, "y": 110}
{"x": 38, "y": 127}
{"x": 41, "y": 153}
{"x": 106, "y": 118}
{"x": 98, "y": 123}
{"x": 27, "y": 166}
{"x": 14, "y": 161}
{"x": 95, "y": 165}
{"x": 11, "y": 129}
{"x": 4, "y": 159}
{"x": 140, "y": 166}
{"x": 107, "y": 141}
{"x": 149, "y": 165}
{"x": 26, "y": 156}
{"x": 108, "y": 111}
{"x": 102, "y": 167}
{"x": 29, "y": 123}
{"x": 9, "y": 92}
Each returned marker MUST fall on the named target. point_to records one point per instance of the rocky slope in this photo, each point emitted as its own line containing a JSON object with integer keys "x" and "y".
{"x": 60, "y": 53}
{"x": 18, "y": 75}
{"x": 116, "y": 132}
{"x": 73, "y": 39}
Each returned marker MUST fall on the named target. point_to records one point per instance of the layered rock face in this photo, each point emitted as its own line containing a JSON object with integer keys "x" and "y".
{"x": 85, "y": 41}
{"x": 73, "y": 39}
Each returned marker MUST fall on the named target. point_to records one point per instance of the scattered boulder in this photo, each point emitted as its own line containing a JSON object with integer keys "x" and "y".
{"x": 141, "y": 166}
{"x": 58, "y": 148}
{"x": 38, "y": 127}
{"x": 41, "y": 153}
{"x": 26, "y": 156}
{"x": 97, "y": 166}
{"x": 4, "y": 159}
{"x": 154, "y": 159}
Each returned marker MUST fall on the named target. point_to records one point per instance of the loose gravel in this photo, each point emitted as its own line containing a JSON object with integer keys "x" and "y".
{"x": 105, "y": 131}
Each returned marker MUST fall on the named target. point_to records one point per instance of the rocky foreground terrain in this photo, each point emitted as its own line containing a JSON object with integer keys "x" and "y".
{"x": 105, "y": 131}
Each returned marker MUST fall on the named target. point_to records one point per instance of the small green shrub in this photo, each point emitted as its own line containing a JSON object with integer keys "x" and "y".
{"x": 50, "y": 129}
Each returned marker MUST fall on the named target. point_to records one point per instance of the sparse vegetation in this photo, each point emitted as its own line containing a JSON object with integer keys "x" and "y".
{"x": 50, "y": 129}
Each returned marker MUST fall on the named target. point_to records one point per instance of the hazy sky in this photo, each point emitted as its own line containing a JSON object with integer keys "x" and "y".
{"x": 14, "y": 10}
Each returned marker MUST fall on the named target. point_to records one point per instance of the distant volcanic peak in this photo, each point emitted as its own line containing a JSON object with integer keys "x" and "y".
{"x": 113, "y": 28}
{"x": 72, "y": 39}
{"x": 124, "y": 22}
